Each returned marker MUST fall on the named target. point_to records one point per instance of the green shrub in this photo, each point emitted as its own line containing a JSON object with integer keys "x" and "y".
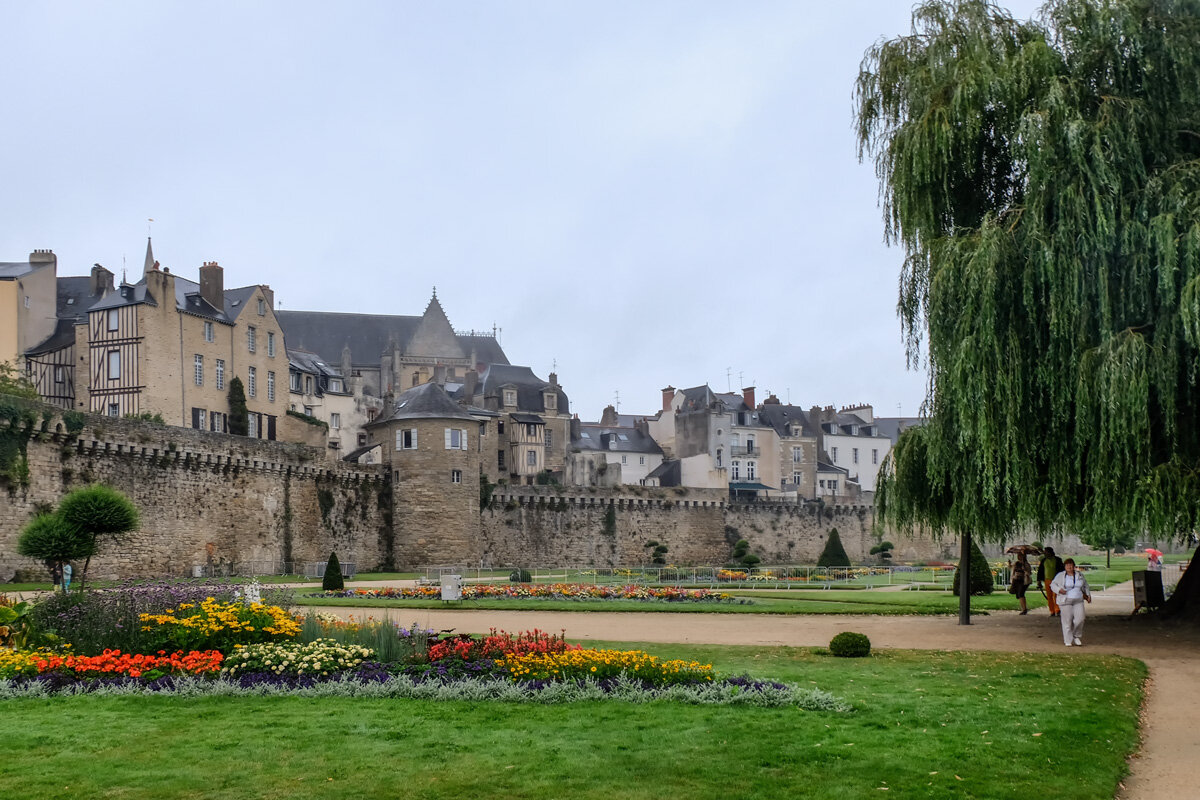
{"x": 333, "y": 581}
{"x": 848, "y": 644}
{"x": 981, "y": 573}
{"x": 520, "y": 576}
{"x": 834, "y": 555}
{"x": 239, "y": 415}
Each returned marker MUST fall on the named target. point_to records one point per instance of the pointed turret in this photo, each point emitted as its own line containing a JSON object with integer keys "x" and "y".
{"x": 151, "y": 264}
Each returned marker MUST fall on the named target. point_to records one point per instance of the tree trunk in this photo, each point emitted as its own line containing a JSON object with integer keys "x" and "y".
{"x": 964, "y": 580}
{"x": 1184, "y": 604}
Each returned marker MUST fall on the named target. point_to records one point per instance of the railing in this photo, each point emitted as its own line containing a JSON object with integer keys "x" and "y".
{"x": 745, "y": 450}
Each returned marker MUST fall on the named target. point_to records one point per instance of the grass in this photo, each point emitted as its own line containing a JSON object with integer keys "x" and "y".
{"x": 952, "y": 725}
{"x": 789, "y": 601}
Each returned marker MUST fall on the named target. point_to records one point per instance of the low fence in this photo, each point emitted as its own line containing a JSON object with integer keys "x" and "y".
{"x": 252, "y": 569}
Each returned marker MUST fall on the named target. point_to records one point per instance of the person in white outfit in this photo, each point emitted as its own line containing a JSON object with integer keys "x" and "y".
{"x": 1071, "y": 590}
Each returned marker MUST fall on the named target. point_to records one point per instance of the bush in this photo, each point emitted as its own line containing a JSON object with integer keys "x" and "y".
{"x": 848, "y": 644}
{"x": 981, "y": 574}
{"x": 834, "y": 555}
{"x": 520, "y": 576}
{"x": 333, "y": 581}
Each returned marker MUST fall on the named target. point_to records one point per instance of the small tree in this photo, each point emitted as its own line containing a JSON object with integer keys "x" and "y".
{"x": 834, "y": 555}
{"x": 49, "y": 539}
{"x": 883, "y": 550}
{"x": 333, "y": 581}
{"x": 239, "y": 416}
{"x": 98, "y": 512}
{"x": 981, "y": 573}
{"x": 13, "y": 383}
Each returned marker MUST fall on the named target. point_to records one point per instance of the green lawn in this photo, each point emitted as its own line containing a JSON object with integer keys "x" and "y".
{"x": 790, "y": 601}
{"x": 947, "y": 725}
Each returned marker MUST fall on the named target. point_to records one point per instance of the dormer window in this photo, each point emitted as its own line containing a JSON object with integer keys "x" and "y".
{"x": 262, "y": 307}
{"x": 510, "y": 397}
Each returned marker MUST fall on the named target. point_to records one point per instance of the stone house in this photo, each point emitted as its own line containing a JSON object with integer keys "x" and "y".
{"x": 797, "y": 449}
{"x": 28, "y": 295}
{"x": 319, "y": 391}
{"x": 612, "y": 452}
{"x": 851, "y": 440}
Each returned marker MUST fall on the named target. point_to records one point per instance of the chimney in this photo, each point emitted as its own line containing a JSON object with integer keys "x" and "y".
{"x": 609, "y": 417}
{"x": 101, "y": 282}
{"x": 439, "y": 374}
{"x": 43, "y": 257}
{"x": 575, "y": 428}
{"x": 771, "y": 400}
{"x": 470, "y": 385}
{"x": 212, "y": 285}
{"x": 748, "y": 397}
{"x": 668, "y": 395}
{"x": 554, "y": 379}
{"x": 268, "y": 295}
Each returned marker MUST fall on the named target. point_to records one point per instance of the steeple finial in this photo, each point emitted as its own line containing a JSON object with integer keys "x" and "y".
{"x": 149, "y": 267}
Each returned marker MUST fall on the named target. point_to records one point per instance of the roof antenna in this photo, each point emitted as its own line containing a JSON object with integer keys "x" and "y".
{"x": 617, "y": 399}
{"x": 728, "y": 378}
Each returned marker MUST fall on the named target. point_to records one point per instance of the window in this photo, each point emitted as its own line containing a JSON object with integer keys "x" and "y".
{"x": 250, "y": 337}
{"x": 822, "y": 483}
{"x": 531, "y": 430}
{"x": 295, "y": 381}
{"x": 198, "y": 370}
{"x": 262, "y": 307}
{"x": 642, "y": 460}
{"x": 549, "y": 438}
{"x": 874, "y": 456}
{"x": 252, "y": 382}
{"x": 27, "y": 301}
{"x": 500, "y": 460}
{"x": 308, "y": 411}
{"x": 510, "y": 397}
{"x": 114, "y": 319}
{"x": 833, "y": 454}
{"x": 735, "y": 470}
{"x": 271, "y": 386}
{"x": 416, "y": 378}
{"x": 362, "y": 440}
{"x": 750, "y": 465}
{"x": 220, "y": 373}
{"x": 833, "y": 486}
{"x": 114, "y": 410}
{"x": 500, "y": 426}
{"x": 797, "y": 477}
{"x": 217, "y": 422}
{"x": 114, "y": 365}
{"x": 551, "y": 401}
{"x": 531, "y": 458}
{"x": 60, "y": 375}
{"x": 199, "y": 419}
{"x": 271, "y": 344}
{"x": 335, "y": 385}
{"x": 624, "y": 459}
{"x": 797, "y": 455}
{"x": 406, "y": 439}
{"x": 209, "y": 335}
{"x": 456, "y": 476}
{"x": 749, "y": 444}
{"x": 335, "y": 421}
{"x": 252, "y": 426}
{"x": 854, "y": 455}
{"x": 308, "y": 384}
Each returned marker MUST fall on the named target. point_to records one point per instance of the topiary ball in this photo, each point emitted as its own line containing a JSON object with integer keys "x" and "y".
{"x": 848, "y": 644}
{"x": 520, "y": 576}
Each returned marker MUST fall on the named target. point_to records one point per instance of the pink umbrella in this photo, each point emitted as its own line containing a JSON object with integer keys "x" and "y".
{"x": 1150, "y": 551}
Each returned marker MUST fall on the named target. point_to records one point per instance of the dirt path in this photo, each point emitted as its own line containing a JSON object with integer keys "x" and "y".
{"x": 1163, "y": 770}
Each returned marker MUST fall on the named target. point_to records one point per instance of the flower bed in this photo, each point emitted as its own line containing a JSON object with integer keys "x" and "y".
{"x": 222, "y": 625}
{"x": 554, "y": 591}
{"x": 322, "y": 657}
{"x": 14, "y": 663}
{"x": 601, "y": 664}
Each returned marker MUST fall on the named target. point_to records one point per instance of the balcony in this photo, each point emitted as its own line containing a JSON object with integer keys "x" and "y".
{"x": 745, "y": 450}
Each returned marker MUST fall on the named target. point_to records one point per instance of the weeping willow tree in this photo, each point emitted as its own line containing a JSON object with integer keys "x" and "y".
{"x": 1043, "y": 180}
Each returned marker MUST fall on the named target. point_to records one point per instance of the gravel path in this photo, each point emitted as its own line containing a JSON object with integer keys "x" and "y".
{"x": 1164, "y": 769}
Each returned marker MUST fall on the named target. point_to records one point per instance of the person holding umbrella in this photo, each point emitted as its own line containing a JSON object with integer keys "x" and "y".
{"x": 1153, "y": 560}
{"x": 1022, "y": 574}
{"x": 1050, "y": 566}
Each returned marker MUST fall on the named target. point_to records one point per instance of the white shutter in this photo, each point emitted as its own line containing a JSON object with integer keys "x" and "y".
{"x": 462, "y": 439}
{"x": 447, "y": 438}
{"x": 399, "y": 440}
{"x": 414, "y": 438}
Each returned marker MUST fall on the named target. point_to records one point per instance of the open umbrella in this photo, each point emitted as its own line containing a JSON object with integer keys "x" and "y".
{"x": 1150, "y": 551}
{"x": 1027, "y": 549}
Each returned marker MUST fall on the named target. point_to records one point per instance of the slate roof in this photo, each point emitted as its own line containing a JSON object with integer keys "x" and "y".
{"x": 355, "y": 455}
{"x": 825, "y": 466}
{"x": 892, "y": 427}
{"x": 668, "y": 473}
{"x": 368, "y": 335}
{"x": 304, "y": 361}
{"x": 528, "y": 419}
{"x": 74, "y": 301}
{"x": 17, "y": 269}
{"x": 427, "y": 401}
{"x": 634, "y": 442}
{"x": 127, "y": 294}
{"x": 529, "y": 387}
{"x": 698, "y": 398}
{"x": 779, "y": 417}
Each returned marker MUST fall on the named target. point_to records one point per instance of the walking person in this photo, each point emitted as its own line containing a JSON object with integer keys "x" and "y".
{"x": 1050, "y": 566}
{"x": 1022, "y": 576}
{"x": 1071, "y": 590}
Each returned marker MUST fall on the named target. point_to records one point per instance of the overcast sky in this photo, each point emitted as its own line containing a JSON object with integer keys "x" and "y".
{"x": 647, "y": 193}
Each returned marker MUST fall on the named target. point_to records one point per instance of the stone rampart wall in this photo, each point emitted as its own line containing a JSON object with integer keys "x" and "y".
{"x": 205, "y": 499}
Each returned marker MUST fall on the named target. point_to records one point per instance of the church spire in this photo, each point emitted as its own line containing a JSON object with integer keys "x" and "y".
{"x": 150, "y": 262}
